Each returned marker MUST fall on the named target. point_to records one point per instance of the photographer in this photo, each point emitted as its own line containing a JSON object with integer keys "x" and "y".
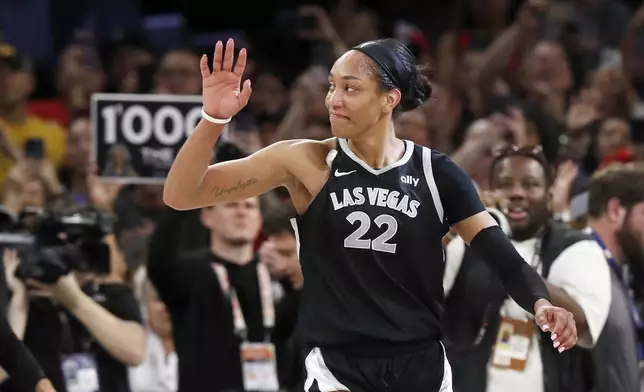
{"x": 75, "y": 294}
{"x": 19, "y": 362}
{"x": 15, "y": 358}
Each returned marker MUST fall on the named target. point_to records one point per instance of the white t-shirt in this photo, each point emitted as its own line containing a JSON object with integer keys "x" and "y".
{"x": 580, "y": 270}
{"x": 158, "y": 372}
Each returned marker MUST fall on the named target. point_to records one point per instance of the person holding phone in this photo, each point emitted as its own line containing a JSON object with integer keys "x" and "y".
{"x": 17, "y": 126}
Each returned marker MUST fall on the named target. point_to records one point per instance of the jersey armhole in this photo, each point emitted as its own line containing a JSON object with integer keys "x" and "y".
{"x": 428, "y": 171}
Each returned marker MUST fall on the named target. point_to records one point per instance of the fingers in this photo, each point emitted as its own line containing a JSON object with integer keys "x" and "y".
{"x": 203, "y": 66}
{"x": 218, "y": 57}
{"x": 229, "y": 56}
{"x": 559, "y": 325}
{"x": 569, "y": 338}
{"x": 240, "y": 65}
{"x": 564, "y": 335}
{"x": 244, "y": 95}
{"x": 541, "y": 319}
{"x": 36, "y": 286}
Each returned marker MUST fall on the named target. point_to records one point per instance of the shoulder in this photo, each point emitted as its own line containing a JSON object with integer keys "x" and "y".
{"x": 585, "y": 254}
{"x": 297, "y": 152}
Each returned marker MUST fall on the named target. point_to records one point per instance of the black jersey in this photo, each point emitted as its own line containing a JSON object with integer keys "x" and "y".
{"x": 370, "y": 247}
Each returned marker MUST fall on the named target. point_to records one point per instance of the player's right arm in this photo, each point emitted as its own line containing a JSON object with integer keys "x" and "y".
{"x": 191, "y": 183}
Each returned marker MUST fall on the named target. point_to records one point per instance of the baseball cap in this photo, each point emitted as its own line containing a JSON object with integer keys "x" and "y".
{"x": 10, "y": 57}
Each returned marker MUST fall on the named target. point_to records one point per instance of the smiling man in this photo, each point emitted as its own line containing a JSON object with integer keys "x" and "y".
{"x": 506, "y": 352}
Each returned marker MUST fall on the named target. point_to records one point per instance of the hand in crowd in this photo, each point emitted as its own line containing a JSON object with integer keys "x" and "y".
{"x": 581, "y": 113}
{"x": 559, "y": 322}
{"x": 531, "y": 12}
{"x": 66, "y": 290}
{"x": 313, "y": 80}
{"x": 48, "y": 174}
{"x": 482, "y": 136}
{"x": 269, "y": 256}
{"x": 566, "y": 174}
{"x": 102, "y": 193}
{"x": 27, "y": 169}
{"x": 11, "y": 262}
{"x": 513, "y": 123}
{"x": 322, "y": 28}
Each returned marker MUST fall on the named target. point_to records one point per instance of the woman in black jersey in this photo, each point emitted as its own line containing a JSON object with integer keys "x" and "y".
{"x": 372, "y": 210}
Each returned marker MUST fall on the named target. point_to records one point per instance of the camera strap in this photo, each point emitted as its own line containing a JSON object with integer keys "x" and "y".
{"x": 266, "y": 298}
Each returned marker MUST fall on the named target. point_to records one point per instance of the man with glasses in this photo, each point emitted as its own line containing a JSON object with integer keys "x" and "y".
{"x": 492, "y": 342}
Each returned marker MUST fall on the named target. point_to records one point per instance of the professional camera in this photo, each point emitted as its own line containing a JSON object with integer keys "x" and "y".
{"x": 63, "y": 242}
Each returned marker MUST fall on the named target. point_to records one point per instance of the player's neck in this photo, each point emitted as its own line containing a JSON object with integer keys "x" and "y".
{"x": 608, "y": 237}
{"x": 13, "y": 113}
{"x": 234, "y": 253}
{"x": 378, "y": 147}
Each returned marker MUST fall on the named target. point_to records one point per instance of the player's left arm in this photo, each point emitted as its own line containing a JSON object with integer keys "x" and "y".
{"x": 465, "y": 211}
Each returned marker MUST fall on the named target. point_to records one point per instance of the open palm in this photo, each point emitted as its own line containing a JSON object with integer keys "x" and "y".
{"x": 222, "y": 97}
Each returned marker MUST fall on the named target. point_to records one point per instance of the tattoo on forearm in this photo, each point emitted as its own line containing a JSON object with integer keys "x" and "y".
{"x": 241, "y": 185}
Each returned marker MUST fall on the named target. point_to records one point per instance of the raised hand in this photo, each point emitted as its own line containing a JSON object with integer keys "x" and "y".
{"x": 102, "y": 193}
{"x": 222, "y": 97}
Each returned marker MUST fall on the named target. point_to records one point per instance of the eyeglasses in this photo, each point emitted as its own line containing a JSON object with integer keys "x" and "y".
{"x": 533, "y": 152}
{"x": 514, "y": 150}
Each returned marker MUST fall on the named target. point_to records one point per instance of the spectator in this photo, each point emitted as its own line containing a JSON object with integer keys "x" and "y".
{"x": 479, "y": 312}
{"x": 16, "y": 85}
{"x": 280, "y": 254}
{"x": 615, "y": 206}
{"x": 158, "y": 371}
{"x": 206, "y": 334}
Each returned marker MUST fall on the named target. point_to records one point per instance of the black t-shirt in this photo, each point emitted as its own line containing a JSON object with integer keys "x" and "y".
{"x": 119, "y": 300}
{"x": 51, "y": 333}
{"x": 202, "y": 317}
{"x": 371, "y": 249}
{"x": 202, "y": 321}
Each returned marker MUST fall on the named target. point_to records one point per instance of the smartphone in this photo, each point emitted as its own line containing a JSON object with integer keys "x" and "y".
{"x": 34, "y": 148}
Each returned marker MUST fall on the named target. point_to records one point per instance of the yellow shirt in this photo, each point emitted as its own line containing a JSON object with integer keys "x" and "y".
{"x": 53, "y": 136}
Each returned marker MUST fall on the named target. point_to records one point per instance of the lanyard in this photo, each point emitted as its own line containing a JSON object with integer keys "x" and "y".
{"x": 612, "y": 262}
{"x": 265, "y": 294}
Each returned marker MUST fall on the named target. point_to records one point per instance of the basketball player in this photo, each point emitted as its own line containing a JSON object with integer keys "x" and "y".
{"x": 372, "y": 210}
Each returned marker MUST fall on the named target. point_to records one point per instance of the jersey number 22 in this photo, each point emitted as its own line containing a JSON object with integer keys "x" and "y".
{"x": 380, "y": 244}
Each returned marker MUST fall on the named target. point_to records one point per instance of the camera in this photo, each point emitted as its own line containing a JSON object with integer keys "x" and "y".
{"x": 62, "y": 242}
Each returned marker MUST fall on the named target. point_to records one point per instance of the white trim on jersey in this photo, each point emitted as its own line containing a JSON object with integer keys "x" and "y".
{"x": 409, "y": 150}
{"x": 316, "y": 370}
{"x": 446, "y": 385}
{"x": 431, "y": 182}
{"x": 297, "y": 235}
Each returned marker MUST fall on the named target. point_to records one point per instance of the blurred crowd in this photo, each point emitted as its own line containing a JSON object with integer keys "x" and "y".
{"x": 567, "y": 76}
